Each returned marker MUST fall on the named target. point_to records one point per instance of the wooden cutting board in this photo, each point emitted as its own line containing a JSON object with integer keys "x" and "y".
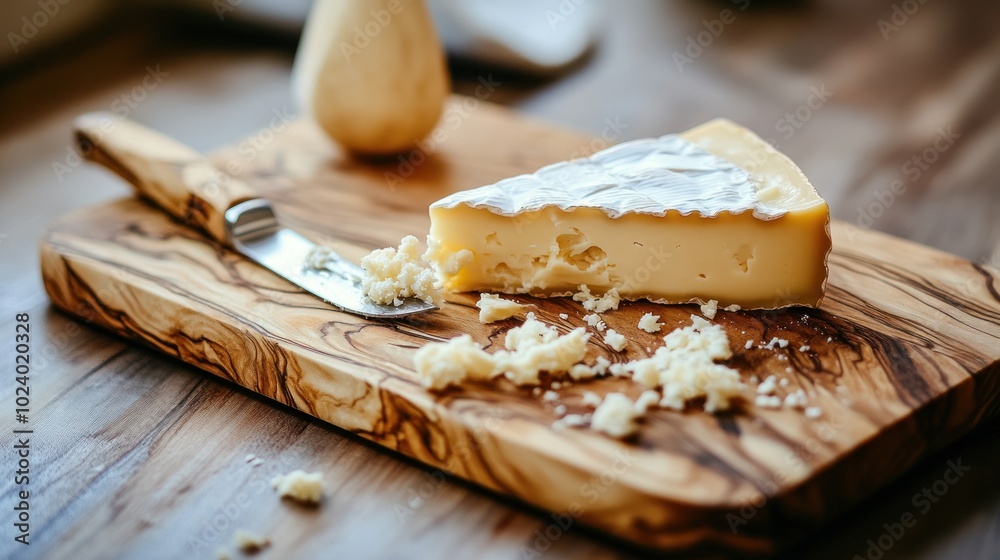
{"x": 903, "y": 355}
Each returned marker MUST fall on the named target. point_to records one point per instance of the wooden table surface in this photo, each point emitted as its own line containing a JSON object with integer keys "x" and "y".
{"x": 136, "y": 455}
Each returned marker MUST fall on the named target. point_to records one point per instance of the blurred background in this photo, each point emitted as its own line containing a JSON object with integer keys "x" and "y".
{"x": 891, "y": 107}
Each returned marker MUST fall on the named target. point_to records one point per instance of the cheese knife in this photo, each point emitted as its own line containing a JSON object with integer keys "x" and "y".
{"x": 187, "y": 186}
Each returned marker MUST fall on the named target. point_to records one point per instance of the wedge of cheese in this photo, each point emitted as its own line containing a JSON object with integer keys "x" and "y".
{"x": 714, "y": 213}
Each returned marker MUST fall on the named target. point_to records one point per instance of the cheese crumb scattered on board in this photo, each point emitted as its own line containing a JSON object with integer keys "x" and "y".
{"x": 563, "y": 316}
{"x": 732, "y": 308}
{"x": 615, "y": 340}
{"x": 550, "y": 396}
{"x": 594, "y": 320}
{"x": 556, "y": 385}
{"x": 685, "y": 367}
{"x": 249, "y": 542}
{"x": 768, "y": 401}
{"x": 748, "y": 345}
{"x": 775, "y": 342}
{"x": 615, "y": 416}
{"x": 619, "y": 370}
{"x": 710, "y": 309}
{"x": 803, "y": 349}
{"x": 535, "y": 347}
{"x": 784, "y": 381}
{"x": 646, "y": 400}
{"x": 582, "y": 371}
{"x": 392, "y": 274}
{"x": 299, "y": 485}
{"x": 571, "y": 421}
{"x": 591, "y": 398}
{"x": 797, "y": 399}
{"x": 768, "y": 386}
{"x": 494, "y": 308}
{"x": 594, "y": 304}
{"x": 650, "y": 323}
{"x": 440, "y": 364}
{"x": 814, "y": 412}
{"x": 560, "y": 410}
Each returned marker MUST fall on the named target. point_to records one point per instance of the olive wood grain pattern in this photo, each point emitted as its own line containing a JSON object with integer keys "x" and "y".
{"x": 903, "y": 355}
{"x": 175, "y": 177}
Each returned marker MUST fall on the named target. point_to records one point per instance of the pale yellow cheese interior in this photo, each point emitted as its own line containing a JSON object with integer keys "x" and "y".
{"x": 732, "y": 258}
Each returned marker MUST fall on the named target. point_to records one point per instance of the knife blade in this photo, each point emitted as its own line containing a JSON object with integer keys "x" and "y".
{"x": 188, "y": 187}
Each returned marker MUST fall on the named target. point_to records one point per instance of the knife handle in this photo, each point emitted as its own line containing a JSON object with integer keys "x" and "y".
{"x": 174, "y": 176}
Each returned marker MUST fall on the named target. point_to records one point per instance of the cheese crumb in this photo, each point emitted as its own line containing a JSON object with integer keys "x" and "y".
{"x": 797, "y": 399}
{"x": 650, "y": 323}
{"x": 560, "y": 410}
{"x": 535, "y": 347}
{"x": 249, "y": 542}
{"x": 591, "y": 398}
{"x": 594, "y": 320}
{"x": 615, "y": 340}
{"x": 563, "y": 316}
{"x": 784, "y": 381}
{"x": 392, "y": 274}
{"x": 609, "y": 300}
{"x": 768, "y": 386}
{"x": 768, "y": 401}
{"x": 775, "y": 342}
{"x": 615, "y": 416}
{"x": 685, "y": 367}
{"x": 571, "y": 421}
{"x": 814, "y": 412}
{"x": 732, "y": 308}
{"x": 300, "y": 485}
{"x": 494, "y": 308}
{"x": 556, "y": 385}
{"x": 803, "y": 349}
{"x": 440, "y": 364}
{"x": 582, "y": 371}
{"x": 748, "y": 345}
{"x": 618, "y": 370}
{"x": 710, "y": 309}
{"x": 550, "y": 396}
{"x": 646, "y": 400}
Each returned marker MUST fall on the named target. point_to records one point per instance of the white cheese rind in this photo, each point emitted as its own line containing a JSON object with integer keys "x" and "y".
{"x": 651, "y": 176}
